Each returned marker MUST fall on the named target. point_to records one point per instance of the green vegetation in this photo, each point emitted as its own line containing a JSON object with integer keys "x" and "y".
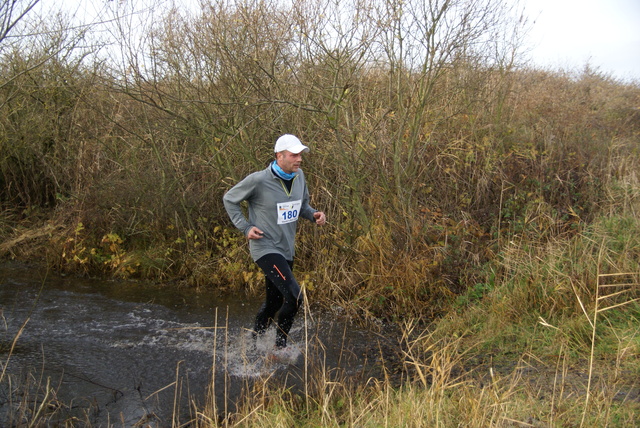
{"x": 490, "y": 201}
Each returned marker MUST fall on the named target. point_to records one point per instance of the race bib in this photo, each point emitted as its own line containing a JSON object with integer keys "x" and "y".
{"x": 288, "y": 211}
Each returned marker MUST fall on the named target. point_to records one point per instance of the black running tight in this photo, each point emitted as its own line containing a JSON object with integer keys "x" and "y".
{"x": 283, "y": 296}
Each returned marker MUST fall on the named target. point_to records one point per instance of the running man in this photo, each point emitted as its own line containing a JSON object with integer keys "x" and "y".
{"x": 277, "y": 196}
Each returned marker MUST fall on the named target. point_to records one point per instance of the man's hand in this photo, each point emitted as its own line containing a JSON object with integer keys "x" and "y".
{"x": 320, "y": 218}
{"x": 255, "y": 233}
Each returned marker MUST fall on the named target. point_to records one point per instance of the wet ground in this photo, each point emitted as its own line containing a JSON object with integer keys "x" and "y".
{"x": 129, "y": 352}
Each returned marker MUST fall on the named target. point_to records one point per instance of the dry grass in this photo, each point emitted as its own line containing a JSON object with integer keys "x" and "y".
{"x": 532, "y": 394}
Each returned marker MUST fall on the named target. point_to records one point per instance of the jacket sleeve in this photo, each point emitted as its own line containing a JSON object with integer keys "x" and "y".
{"x": 232, "y": 199}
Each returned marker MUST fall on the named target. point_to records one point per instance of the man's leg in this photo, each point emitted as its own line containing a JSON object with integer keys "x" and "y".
{"x": 271, "y": 305}
{"x": 279, "y": 271}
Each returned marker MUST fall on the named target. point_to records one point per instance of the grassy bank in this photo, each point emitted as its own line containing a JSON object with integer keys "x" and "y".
{"x": 486, "y": 199}
{"x": 551, "y": 339}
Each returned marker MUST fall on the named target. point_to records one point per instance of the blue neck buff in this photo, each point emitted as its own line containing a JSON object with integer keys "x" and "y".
{"x": 280, "y": 172}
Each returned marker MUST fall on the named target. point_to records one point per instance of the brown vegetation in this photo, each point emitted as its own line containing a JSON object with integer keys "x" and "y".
{"x": 427, "y": 165}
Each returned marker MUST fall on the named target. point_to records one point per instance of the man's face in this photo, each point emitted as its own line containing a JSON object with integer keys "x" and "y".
{"x": 289, "y": 162}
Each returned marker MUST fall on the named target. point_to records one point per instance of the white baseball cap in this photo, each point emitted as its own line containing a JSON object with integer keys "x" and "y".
{"x": 290, "y": 143}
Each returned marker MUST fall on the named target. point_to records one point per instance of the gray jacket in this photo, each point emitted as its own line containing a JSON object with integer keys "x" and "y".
{"x": 272, "y": 209}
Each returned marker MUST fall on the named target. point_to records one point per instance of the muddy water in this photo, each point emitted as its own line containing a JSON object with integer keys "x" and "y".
{"x": 117, "y": 352}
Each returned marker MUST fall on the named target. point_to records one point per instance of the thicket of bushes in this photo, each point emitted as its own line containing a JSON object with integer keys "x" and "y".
{"x": 432, "y": 149}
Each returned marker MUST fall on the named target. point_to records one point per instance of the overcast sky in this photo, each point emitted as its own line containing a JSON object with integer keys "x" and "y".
{"x": 568, "y": 34}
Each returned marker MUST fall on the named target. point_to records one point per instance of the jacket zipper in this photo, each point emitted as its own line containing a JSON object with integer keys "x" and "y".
{"x": 284, "y": 187}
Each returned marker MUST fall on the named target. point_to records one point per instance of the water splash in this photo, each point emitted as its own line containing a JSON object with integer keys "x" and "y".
{"x": 249, "y": 357}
